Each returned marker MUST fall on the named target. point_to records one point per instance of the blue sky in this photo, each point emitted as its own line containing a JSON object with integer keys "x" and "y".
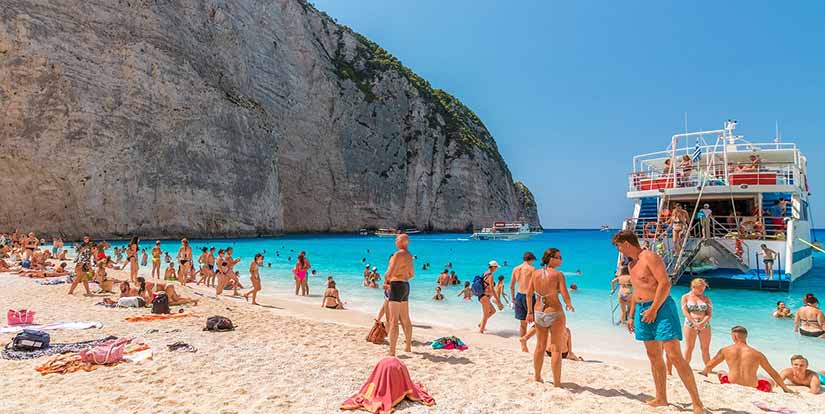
{"x": 572, "y": 90}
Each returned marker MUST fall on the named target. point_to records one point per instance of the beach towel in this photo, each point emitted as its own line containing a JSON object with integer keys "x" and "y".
{"x": 387, "y": 386}
{"x": 158, "y": 316}
{"x": 71, "y": 362}
{"x": 449, "y": 342}
{"x": 765, "y": 407}
{"x": 53, "y": 349}
{"x": 48, "y": 282}
{"x": 53, "y": 326}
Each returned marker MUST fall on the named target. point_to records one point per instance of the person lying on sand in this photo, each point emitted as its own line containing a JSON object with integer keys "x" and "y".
{"x": 566, "y": 349}
{"x": 39, "y": 274}
{"x": 799, "y": 374}
{"x": 331, "y": 299}
{"x": 169, "y": 289}
{"x": 744, "y": 361}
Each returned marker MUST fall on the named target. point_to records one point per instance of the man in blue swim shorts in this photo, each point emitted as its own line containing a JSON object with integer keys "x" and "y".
{"x": 518, "y": 280}
{"x": 655, "y": 319}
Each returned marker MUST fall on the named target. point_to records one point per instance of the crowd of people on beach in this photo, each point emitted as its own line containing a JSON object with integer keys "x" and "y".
{"x": 539, "y": 296}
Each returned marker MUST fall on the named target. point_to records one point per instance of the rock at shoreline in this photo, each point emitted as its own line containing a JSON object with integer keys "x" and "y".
{"x": 229, "y": 118}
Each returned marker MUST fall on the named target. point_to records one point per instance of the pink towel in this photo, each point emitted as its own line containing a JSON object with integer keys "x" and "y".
{"x": 387, "y": 386}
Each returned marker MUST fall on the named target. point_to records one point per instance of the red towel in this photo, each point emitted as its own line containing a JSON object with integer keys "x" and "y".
{"x": 388, "y": 384}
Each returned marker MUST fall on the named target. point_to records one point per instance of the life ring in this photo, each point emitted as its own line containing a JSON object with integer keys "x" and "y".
{"x": 647, "y": 233}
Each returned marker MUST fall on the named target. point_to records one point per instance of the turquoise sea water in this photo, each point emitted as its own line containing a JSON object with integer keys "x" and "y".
{"x": 345, "y": 256}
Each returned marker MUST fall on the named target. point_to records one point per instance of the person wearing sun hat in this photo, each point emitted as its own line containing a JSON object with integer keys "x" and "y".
{"x": 487, "y": 308}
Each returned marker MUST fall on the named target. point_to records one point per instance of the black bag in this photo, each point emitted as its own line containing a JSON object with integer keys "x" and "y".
{"x": 218, "y": 324}
{"x": 30, "y": 340}
{"x": 160, "y": 304}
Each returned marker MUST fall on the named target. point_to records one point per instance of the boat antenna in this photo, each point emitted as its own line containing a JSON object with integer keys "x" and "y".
{"x": 777, "y": 138}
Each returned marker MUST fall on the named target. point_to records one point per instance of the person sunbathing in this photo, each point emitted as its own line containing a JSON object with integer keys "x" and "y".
{"x": 61, "y": 255}
{"x": 175, "y": 299}
{"x": 4, "y": 266}
{"x": 799, "y": 374}
{"x": 39, "y": 274}
{"x": 744, "y": 361}
{"x": 332, "y": 299}
{"x": 170, "y": 273}
{"x": 566, "y": 349}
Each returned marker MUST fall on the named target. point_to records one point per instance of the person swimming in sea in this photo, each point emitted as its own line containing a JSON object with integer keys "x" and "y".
{"x": 438, "y": 295}
{"x": 467, "y": 292}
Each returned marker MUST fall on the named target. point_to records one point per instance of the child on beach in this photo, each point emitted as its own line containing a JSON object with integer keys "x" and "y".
{"x": 467, "y": 292}
{"x": 500, "y": 290}
{"x": 438, "y": 295}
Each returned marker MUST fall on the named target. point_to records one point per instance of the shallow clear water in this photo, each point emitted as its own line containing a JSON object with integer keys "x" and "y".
{"x": 345, "y": 256}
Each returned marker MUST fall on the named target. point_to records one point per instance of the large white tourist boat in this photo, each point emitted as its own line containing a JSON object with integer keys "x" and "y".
{"x": 735, "y": 196}
{"x": 506, "y": 231}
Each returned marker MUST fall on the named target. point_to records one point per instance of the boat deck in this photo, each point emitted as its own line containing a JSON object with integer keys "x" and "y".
{"x": 732, "y": 279}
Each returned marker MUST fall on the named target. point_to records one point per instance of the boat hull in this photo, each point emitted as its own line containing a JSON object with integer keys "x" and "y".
{"x": 503, "y": 236}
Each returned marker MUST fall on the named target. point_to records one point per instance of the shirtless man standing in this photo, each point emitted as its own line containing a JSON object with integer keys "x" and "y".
{"x": 799, "y": 374}
{"x": 185, "y": 258}
{"x": 520, "y": 277}
{"x": 398, "y": 275}
{"x": 657, "y": 321}
{"x": 743, "y": 362}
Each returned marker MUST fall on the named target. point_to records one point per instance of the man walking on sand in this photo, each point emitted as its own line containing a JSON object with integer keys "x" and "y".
{"x": 655, "y": 317}
{"x": 398, "y": 275}
{"x": 520, "y": 277}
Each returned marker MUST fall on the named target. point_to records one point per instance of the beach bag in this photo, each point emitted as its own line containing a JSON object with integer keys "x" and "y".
{"x": 377, "y": 333}
{"x": 160, "y": 304}
{"x": 132, "y": 302}
{"x": 21, "y": 317}
{"x": 105, "y": 353}
{"x": 478, "y": 286}
{"x": 218, "y": 324}
{"x": 30, "y": 340}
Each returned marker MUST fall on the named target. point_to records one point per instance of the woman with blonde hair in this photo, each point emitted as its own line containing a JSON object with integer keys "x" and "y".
{"x": 698, "y": 310}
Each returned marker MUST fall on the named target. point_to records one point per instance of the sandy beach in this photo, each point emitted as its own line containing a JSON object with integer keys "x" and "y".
{"x": 291, "y": 357}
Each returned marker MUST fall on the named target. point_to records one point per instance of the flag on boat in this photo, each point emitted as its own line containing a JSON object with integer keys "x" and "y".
{"x": 697, "y": 152}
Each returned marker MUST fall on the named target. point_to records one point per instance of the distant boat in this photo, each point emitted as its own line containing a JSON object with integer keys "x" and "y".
{"x": 506, "y": 231}
{"x": 363, "y": 232}
{"x": 604, "y": 228}
{"x": 395, "y": 232}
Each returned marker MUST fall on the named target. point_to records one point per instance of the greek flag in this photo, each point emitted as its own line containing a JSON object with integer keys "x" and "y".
{"x": 697, "y": 152}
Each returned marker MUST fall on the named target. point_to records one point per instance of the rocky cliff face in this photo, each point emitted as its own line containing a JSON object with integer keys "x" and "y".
{"x": 232, "y": 118}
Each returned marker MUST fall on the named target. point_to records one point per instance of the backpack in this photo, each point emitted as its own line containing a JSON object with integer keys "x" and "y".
{"x": 478, "y": 285}
{"x": 160, "y": 304}
{"x": 30, "y": 340}
{"x": 377, "y": 333}
{"x": 219, "y": 324}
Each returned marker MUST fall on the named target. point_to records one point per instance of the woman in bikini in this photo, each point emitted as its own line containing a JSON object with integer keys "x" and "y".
{"x": 300, "y": 272}
{"x": 132, "y": 259}
{"x": 624, "y": 292}
{"x": 547, "y": 284}
{"x": 331, "y": 298}
{"x": 203, "y": 259}
{"x": 156, "y": 260}
{"x": 698, "y": 310}
{"x": 809, "y": 319}
{"x": 255, "y": 278}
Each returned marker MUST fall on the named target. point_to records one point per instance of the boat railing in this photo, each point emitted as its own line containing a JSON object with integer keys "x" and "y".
{"x": 717, "y": 227}
{"x": 715, "y": 150}
{"x": 768, "y": 173}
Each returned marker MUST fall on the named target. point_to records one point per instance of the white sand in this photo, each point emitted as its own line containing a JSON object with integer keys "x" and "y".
{"x": 297, "y": 358}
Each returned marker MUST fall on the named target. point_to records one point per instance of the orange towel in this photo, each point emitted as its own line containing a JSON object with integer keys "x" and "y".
{"x": 387, "y": 386}
{"x": 158, "y": 316}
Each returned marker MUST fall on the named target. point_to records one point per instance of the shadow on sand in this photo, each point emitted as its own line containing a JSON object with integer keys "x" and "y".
{"x": 444, "y": 359}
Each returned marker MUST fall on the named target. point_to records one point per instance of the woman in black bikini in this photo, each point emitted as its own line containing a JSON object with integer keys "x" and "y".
{"x": 809, "y": 319}
{"x": 331, "y": 299}
{"x": 131, "y": 258}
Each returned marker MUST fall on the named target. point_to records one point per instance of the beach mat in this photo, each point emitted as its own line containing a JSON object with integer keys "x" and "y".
{"x": 53, "y": 326}
{"x": 53, "y": 349}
